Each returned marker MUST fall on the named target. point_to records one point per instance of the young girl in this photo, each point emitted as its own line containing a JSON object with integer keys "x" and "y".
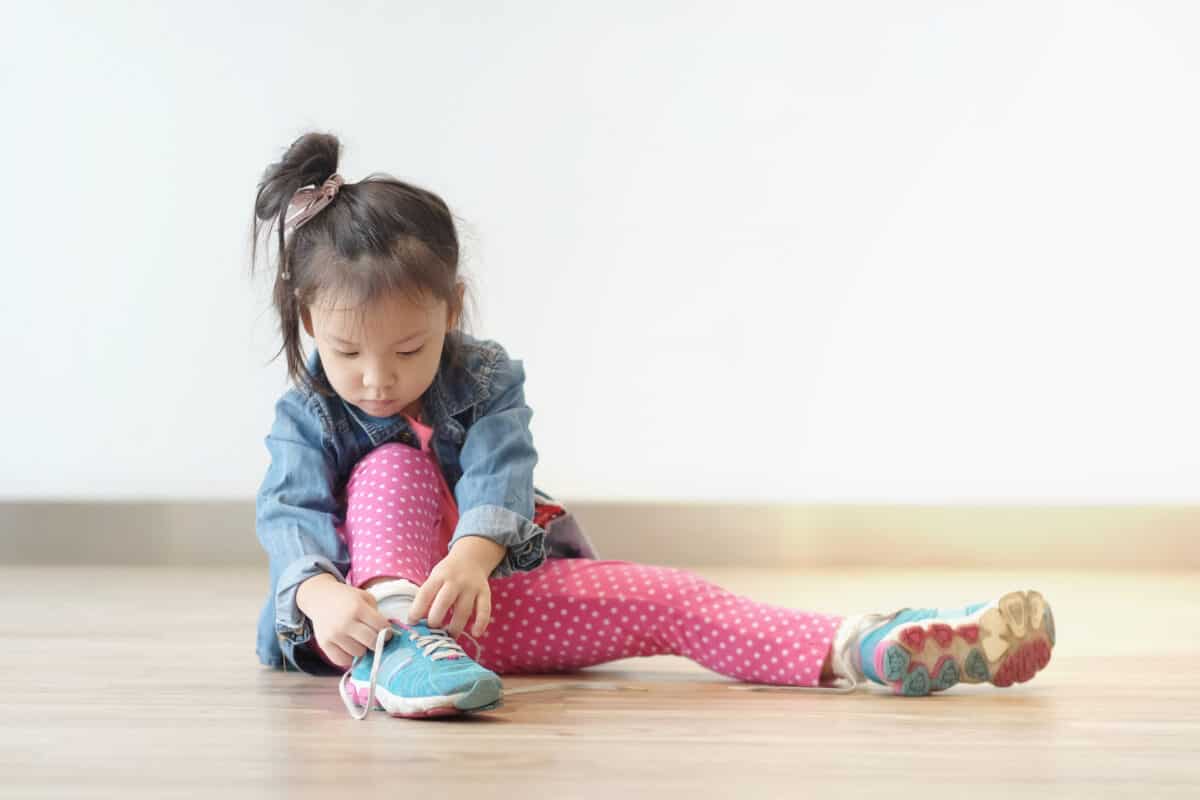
{"x": 399, "y": 508}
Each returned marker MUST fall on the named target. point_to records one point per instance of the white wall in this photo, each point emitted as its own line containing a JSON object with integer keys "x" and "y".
{"x": 894, "y": 252}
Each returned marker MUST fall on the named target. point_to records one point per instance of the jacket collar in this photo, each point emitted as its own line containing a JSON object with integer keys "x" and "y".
{"x": 453, "y": 391}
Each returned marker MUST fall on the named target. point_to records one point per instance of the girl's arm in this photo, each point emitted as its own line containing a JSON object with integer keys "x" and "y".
{"x": 297, "y": 511}
{"x": 495, "y": 492}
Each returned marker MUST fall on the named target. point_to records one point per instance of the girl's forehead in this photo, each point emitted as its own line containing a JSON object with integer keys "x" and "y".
{"x": 384, "y": 315}
{"x": 332, "y": 302}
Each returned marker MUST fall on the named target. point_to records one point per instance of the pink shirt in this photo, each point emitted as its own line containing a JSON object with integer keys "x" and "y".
{"x": 449, "y": 506}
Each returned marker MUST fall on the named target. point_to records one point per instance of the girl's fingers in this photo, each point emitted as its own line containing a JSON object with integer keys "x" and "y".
{"x": 337, "y": 655}
{"x": 375, "y": 620}
{"x": 483, "y": 613}
{"x": 364, "y": 634}
{"x": 425, "y": 595}
{"x": 370, "y": 614}
{"x": 348, "y": 647}
{"x": 441, "y": 604}
{"x": 462, "y": 613}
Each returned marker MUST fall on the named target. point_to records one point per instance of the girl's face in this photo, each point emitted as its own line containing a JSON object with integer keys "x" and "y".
{"x": 383, "y": 356}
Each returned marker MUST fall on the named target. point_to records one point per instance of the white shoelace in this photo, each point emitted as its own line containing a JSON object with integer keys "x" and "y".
{"x": 437, "y": 644}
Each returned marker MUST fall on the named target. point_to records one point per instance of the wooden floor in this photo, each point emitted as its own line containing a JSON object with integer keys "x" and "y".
{"x": 142, "y": 682}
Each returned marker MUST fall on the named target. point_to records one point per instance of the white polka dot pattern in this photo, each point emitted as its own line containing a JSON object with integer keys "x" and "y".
{"x": 577, "y": 612}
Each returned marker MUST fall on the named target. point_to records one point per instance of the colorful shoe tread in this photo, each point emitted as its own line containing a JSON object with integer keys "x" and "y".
{"x": 929, "y": 650}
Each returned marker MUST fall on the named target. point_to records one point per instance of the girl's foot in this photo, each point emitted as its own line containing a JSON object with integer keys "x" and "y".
{"x": 918, "y": 651}
{"x": 419, "y": 672}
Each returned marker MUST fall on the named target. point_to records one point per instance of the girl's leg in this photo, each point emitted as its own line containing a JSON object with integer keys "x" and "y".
{"x": 393, "y": 526}
{"x": 393, "y": 517}
{"x": 573, "y": 613}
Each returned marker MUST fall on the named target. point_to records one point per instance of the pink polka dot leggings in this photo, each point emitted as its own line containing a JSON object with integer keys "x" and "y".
{"x": 570, "y": 613}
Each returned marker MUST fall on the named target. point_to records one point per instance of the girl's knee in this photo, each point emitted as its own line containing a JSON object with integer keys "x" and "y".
{"x": 398, "y": 464}
{"x": 388, "y": 456}
{"x": 389, "y": 451}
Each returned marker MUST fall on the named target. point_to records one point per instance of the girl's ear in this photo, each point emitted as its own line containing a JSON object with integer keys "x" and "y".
{"x": 306, "y": 320}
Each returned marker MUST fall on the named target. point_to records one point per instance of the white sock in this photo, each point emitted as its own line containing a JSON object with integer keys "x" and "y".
{"x": 847, "y": 658}
{"x": 394, "y": 597}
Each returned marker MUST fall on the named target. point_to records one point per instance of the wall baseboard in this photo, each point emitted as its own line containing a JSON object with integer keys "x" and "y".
{"x": 1108, "y": 537}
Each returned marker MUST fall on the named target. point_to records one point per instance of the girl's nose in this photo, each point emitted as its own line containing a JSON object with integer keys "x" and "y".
{"x": 378, "y": 377}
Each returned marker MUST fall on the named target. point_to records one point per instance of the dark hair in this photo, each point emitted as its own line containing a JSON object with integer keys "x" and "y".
{"x": 378, "y": 235}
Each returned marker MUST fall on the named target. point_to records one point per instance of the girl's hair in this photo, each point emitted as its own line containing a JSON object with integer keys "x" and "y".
{"x": 378, "y": 235}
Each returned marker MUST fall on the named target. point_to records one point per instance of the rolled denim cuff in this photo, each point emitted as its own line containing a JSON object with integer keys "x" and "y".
{"x": 524, "y": 540}
{"x": 290, "y": 621}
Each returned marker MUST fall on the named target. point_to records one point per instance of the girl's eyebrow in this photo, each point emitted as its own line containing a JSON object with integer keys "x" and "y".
{"x": 348, "y": 343}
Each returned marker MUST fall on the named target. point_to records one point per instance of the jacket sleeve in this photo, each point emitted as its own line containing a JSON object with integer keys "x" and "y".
{"x": 495, "y": 492}
{"x": 296, "y": 512}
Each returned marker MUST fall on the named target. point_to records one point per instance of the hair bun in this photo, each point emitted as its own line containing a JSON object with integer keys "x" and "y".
{"x": 310, "y": 160}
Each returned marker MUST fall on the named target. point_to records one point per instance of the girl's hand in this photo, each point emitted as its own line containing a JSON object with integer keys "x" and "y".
{"x": 459, "y": 585}
{"x": 345, "y": 620}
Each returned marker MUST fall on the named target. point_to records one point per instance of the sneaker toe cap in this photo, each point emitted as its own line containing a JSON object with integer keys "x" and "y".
{"x": 452, "y": 680}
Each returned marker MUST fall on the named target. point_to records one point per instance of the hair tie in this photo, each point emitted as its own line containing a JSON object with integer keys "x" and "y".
{"x": 308, "y": 201}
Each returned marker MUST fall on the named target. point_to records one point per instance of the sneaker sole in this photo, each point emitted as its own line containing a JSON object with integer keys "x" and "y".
{"x": 1007, "y": 641}
{"x": 482, "y": 696}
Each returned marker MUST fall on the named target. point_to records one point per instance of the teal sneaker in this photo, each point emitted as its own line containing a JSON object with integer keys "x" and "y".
{"x": 418, "y": 672}
{"x": 916, "y": 651}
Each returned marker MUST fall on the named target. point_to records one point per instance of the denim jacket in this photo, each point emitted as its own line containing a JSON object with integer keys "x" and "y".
{"x": 482, "y": 441}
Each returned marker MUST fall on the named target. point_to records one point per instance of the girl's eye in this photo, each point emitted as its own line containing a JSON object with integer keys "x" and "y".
{"x": 348, "y": 355}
